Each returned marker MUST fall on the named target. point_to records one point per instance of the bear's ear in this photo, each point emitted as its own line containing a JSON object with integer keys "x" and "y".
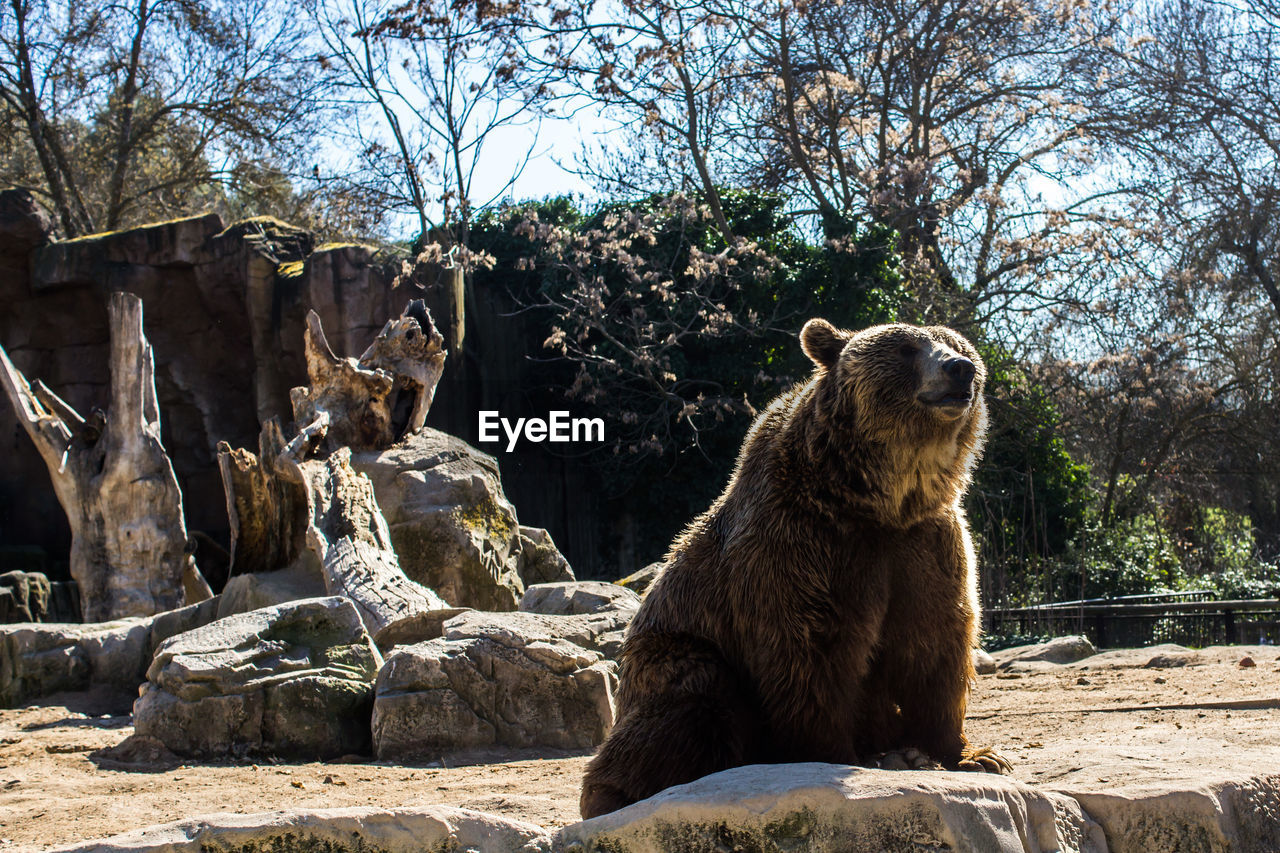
{"x": 822, "y": 342}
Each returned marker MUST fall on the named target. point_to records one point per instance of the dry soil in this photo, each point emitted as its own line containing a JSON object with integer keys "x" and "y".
{"x": 1103, "y": 723}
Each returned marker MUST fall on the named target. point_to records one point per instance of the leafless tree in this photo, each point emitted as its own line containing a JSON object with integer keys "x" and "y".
{"x": 439, "y": 87}
{"x": 1197, "y": 101}
{"x": 661, "y": 74}
{"x": 959, "y": 124}
{"x": 124, "y": 112}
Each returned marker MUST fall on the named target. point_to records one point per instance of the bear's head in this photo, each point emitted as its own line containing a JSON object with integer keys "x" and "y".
{"x": 900, "y": 382}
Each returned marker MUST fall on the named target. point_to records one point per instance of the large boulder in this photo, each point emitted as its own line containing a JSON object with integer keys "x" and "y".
{"x": 836, "y": 807}
{"x": 453, "y": 529}
{"x": 38, "y": 660}
{"x": 174, "y": 622}
{"x": 1241, "y": 815}
{"x": 579, "y": 597}
{"x": 351, "y": 830}
{"x": 540, "y": 559}
{"x": 24, "y": 596}
{"x": 491, "y": 685}
{"x": 601, "y": 632}
{"x": 244, "y": 593}
{"x": 294, "y": 680}
{"x": 1059, "y": 650}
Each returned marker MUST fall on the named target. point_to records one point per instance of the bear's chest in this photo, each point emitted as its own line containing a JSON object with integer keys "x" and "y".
{"x": 915, "y": 481}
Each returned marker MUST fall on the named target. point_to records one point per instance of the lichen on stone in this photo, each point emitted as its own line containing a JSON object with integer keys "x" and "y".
{"x": 291, "y": 269}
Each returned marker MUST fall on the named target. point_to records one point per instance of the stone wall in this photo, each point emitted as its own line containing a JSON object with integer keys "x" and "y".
{"x": 224, "y": 308}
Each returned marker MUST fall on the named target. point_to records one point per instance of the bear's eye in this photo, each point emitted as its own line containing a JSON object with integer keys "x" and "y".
{"x": 907, "y": 351}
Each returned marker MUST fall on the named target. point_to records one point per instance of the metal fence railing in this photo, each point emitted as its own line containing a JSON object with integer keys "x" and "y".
{"x": 1189, "y": 619}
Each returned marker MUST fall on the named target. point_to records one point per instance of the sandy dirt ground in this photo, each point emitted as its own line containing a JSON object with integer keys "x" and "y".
{"x": 1104, "y": 723}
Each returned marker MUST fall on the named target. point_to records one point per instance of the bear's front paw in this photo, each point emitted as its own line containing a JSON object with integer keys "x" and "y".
{"x": 984, "y": 760}
{"x": 906, "y": 759}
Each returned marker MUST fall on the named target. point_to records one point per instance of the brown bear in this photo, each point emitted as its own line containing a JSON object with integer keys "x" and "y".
{"x": 825, "y": 607}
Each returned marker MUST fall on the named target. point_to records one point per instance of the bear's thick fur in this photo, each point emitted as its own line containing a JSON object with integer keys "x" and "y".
{"x": 825, "y": 607}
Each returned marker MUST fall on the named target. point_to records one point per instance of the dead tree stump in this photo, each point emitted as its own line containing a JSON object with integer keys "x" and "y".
{"x": 347, "y": 532}
{"x": 360, "y": 397}
{"x": 267, "y": 512}
{"x": 411, "y": 349}
{"x": 307, "y": 495}
{"x": 129, "y": 552}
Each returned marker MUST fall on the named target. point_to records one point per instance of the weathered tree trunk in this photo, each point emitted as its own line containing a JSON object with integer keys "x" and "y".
{"x": 360, "y": 396}
{"x": 357, "y": 400}
{"x": 114, "y": 480}
{"x": 347, "y": 532}
{"x": 267, "y": 512}
{"x": 282, "y": 501}
{"x": 411, "y": 349}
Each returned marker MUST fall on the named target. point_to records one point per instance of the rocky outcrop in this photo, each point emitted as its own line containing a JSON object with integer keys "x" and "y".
{"x": 1239, "y": 815}
{"x": 24, "y": 597}
{"x": 27, "y": 565}
{"x": 830, "y": 807}
{"x": 579, "y": 597}
{"x": 789, "y": 807}
{"x": 293, "y": 680}
{"x": 24, "y": 227}
{"x": 351, "y": 830}
{"x": 267, "y": 589}
{"x": 835, "y": 807}
{"x": 39, "y": 660}
{"x": 453, "y": 529}
{"x": 540, "y": 559}
{"x": 601, "y": 632}
{"x": 639, "y": 582}
{"x": 491, "y": 684}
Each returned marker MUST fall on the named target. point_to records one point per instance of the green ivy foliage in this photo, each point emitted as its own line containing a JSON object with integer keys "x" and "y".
{"x": 1030, "y": 497}
{"x": 853, "y": 283}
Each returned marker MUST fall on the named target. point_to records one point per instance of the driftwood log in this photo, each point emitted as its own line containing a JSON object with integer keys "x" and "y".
{"x": 129, "y": 547}
{"x": 347, "y": 532}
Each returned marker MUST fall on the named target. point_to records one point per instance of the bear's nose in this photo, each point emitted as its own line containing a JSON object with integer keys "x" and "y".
{"x": 960, "y": 369}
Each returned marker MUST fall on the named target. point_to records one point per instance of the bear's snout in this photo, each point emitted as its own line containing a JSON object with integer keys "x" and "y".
{"x": 946, "y": 384}
{"x": 960, "y": 370}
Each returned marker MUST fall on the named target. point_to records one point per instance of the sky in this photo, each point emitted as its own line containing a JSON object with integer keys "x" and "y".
{"x": 556, "y": 143}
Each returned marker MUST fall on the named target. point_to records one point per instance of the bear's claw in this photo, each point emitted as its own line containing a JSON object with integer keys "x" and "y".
{"x": 984, "y": 760}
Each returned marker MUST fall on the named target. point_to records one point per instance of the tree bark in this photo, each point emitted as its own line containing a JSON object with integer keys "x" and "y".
{"x": 346, "y": 530}
{"x": 359, "y": 397}
{"x": 129, "y": 551}
{"x": 267, "y": 512}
